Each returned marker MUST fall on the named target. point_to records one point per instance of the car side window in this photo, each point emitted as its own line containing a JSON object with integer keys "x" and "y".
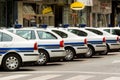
{"x": 60, "y": 33}
{"x": 116, "y": 32}
{"x": 46, "y": 35}
{"x": 5, "y": 37}
{"x": 95, "y": 31}
{"x": 78, "y": 32}
{"x": 27, "y": 34}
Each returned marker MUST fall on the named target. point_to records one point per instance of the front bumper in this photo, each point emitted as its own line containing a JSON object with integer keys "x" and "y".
{"x": 114, "y": 46}
{"x": 57, "y": 53}
{"x": 81, "y": 50}
{"x": 100, "y": 47}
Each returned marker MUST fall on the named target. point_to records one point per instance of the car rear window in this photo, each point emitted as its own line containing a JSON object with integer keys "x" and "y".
{"x": 107, "y": 30}
{"x": 5, "y": 37}
{"x": 78, "y": 32}
{"x": 95, "y": 31}
{"x": 60, "y": 33}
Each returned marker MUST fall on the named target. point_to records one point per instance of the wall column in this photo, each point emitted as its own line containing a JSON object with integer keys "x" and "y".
{"x": 20, "y": 12}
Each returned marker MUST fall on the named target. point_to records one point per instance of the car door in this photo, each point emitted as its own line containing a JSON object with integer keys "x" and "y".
{"x": 5, "y": 42}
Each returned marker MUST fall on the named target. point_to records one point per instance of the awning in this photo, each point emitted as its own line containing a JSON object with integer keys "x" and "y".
{"x": 77, "y": 6}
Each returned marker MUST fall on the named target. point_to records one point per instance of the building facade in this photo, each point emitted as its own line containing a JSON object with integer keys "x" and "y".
{"x": 97, "y": 13}
{"x": 101, "y": 13}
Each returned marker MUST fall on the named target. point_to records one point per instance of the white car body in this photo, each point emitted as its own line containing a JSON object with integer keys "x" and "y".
{"x": 93, "y": 39}
{"x": 111, "y": 40}
{"x": 71, "y": 40}
{"x": 51, "y": 46}
{"x": 18, "y": 46}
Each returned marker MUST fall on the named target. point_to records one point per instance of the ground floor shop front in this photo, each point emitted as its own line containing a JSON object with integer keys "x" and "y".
{"x": 55, "y": 12}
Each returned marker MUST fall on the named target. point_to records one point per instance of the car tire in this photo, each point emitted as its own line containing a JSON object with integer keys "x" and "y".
{"x": 43, "y": 58}
{"x": 11, "y": 62}
{"x": 70, "y": 54}
{"x": 90, "y": 52}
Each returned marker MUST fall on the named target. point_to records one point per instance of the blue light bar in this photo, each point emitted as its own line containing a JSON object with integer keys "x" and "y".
{"x": 18, "y": 26}
{"x": 43, "y": 25}
{"x": 66, "y": 25}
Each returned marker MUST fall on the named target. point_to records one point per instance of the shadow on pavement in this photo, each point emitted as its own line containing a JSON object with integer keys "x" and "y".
{"x": 1, "y": 70}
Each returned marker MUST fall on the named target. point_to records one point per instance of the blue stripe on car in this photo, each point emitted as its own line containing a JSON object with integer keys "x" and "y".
{"x": 50, "y": 46}
{"x": 75, "y": 43}
{"x": 57, "y": 46}
{"x": 100, "y": 42}
{"x": 95, "y": 42}
{"x": 111, "y": 41}
{"x": 4, "y": 50}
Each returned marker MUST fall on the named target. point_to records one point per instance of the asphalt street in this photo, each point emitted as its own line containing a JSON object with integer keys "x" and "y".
{"x": 100, "y": 67}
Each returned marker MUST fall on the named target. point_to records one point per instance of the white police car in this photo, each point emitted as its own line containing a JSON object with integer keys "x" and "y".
{"x": 14, "y": 50}
{"x": 112, "y": 41}
{"x": 74, "y": 45}
{"x": 51, "y": 46}
{"x": 112, "y": 30}
{"x": 95, "y": 43}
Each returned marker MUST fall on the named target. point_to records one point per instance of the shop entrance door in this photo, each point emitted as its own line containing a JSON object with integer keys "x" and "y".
{"x": 2, "y": 13}
{"x": 58, "y": 15}
{"x": 115, "y": 15}
{"x": 6, "y": 13}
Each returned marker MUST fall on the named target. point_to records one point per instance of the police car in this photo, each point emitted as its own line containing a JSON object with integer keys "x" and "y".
{"x": 95, "y": 43}
{"x": 74, "y": 45}
{"x": 14, "y": 50}
{"x": 51, "y": 46}
{"x": 112, "y": 30}
{"x": 112, "y": 41}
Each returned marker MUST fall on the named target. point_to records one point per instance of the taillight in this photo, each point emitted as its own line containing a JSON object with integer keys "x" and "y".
{"x": 117, "y": 38}
{"x": 62, "y": 43}
{"x": 104, "y": 40}
{"x": 35, "y": 46}
{"x": 85, "y": 41}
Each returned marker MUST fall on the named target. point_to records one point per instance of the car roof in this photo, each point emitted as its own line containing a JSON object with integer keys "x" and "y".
{"x": 104, "y": 32}
{"x": 36, "y": 29}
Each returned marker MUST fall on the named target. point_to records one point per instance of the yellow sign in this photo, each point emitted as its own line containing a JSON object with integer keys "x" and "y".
{"x": 47, "y": 10}
{"x": 77, "y": 6}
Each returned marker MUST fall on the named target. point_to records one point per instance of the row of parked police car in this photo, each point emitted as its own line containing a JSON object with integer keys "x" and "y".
{"x": 41, "y": 45}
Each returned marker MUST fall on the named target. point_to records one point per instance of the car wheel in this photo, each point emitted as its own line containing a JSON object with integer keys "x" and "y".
{"x": 89, "y": 53}
{"x": 11, "y": 62}
{"x": 43, "y": 57}
{"x": 70, "y": 54}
